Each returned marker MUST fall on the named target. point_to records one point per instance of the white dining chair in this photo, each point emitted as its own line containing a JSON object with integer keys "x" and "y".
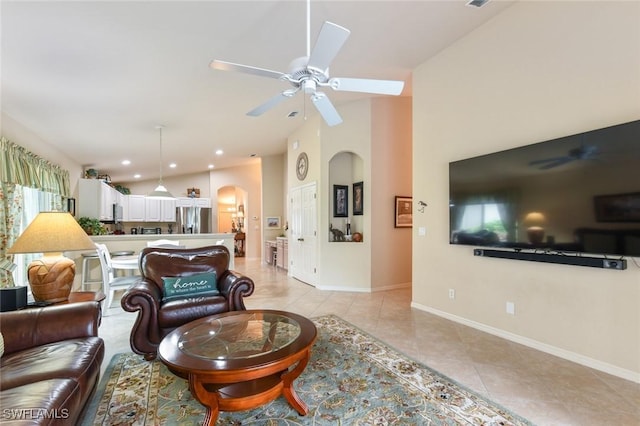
{"x": 111, "y": 283}
{"x": 163, "y": 243}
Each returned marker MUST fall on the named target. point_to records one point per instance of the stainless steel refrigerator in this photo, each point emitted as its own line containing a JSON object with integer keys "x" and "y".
{"x": 193, "y": 220}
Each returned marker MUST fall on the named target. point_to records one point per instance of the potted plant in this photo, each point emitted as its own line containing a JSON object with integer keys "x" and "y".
{"x": 92, "y": 226}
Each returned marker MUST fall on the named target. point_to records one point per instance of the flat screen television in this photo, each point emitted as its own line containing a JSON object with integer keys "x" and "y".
{"x": 578, "y": 193}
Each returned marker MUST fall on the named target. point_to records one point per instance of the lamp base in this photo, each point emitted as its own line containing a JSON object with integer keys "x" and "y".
{"x": 535, "y": 234}
{"x": 51, "y": 278}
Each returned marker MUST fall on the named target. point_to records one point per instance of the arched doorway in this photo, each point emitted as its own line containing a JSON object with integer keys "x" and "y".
{"x": 232, "y": 202}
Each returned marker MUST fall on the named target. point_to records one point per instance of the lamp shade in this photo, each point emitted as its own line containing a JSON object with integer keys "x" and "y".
{"x": 52, "y": 232}
{"x": 161, "y": 193}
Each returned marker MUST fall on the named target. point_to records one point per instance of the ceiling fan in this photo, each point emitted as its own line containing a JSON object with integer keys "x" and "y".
{"x": 311, "y": 72}
{"x": 583, "y": 152}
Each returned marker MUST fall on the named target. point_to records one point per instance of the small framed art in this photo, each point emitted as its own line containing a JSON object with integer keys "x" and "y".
{"x": 273, "y": 222}
{"x": 340, "y": 201}
{"x": 404, "y": 212}
{"x": 358, "y": 198}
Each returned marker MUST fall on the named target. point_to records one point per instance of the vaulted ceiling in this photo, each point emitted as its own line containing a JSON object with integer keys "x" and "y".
{"x": 94, "y": 79}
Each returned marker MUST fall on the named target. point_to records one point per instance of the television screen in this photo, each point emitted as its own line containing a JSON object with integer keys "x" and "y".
{"x": 578, "y": 193}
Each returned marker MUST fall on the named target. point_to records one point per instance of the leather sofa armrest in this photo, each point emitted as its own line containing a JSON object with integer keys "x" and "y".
{"x": 144, "y": 297}
{"x": 235, "y": 287}
{"x": 33, "y": 327}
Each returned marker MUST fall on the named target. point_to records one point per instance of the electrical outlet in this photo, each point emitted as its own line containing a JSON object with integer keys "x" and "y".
{"x": 511, "y": 308}
{"x": 452, "y": 293}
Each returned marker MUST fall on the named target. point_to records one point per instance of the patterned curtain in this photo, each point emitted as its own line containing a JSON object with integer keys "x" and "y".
{"x": 10, "y": 214}
{"x": 19, "y": 167}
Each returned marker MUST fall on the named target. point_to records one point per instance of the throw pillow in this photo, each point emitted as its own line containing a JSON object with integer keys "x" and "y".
{"x": 190, "y": 286}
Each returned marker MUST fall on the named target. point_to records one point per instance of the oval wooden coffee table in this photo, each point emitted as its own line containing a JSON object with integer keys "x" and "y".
{"x": 240, "y": 360}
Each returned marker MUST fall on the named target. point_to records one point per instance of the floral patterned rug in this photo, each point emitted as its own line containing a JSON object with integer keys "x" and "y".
{"x": 351, "y": 379}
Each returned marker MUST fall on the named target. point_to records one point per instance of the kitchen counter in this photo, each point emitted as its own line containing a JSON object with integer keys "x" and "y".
{"x": 138, "y": 242}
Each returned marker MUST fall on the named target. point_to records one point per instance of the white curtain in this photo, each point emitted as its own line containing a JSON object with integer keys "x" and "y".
{"x": 35, "y": 201}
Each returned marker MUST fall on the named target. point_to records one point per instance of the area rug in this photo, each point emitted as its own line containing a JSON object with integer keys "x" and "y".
{"x": 351, "y": 379}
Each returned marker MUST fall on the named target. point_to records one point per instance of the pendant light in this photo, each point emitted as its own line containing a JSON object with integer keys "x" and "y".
{"x": 161, "y": 192}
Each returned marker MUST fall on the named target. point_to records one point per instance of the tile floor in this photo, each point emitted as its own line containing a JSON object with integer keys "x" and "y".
{"x": 542, "y": 388}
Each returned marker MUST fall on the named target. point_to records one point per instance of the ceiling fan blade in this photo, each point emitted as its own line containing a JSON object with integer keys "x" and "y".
{"x": 326, "y": 109}
{"x": 229, "y": 66}
{"x": 382, "y": 87}
{"x": 328, "y": 44}
{"x": 259, "y": 110}
{"x": 547, "y": 160}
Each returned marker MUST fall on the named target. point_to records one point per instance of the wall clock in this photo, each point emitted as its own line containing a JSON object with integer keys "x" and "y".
{"x": 302, "y": 166}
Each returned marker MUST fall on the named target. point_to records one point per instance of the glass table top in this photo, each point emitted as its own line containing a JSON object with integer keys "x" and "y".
{"x": 239, "y": 336}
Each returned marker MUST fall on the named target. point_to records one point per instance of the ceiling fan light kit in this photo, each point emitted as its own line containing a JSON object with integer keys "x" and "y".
{"x": 307, "y": 73}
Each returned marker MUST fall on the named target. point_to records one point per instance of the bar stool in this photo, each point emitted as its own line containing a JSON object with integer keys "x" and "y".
{"x": 89, "y": 256}
{"x": 87, "y": 280}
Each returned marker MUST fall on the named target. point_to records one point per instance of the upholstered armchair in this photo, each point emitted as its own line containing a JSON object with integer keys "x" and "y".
{"x": 160, "y": 312}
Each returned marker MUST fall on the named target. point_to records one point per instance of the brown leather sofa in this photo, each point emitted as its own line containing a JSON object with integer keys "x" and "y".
{"x": 158, "y": 317}
{"x": 51, "y": 363}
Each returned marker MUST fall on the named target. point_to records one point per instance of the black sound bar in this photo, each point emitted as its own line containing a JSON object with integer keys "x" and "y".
{"x": 594, "y": 262}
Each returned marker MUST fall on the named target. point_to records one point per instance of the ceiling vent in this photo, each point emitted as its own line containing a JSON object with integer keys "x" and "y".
{"x": 477, "y": 3}
{"x": 292, "y": 114}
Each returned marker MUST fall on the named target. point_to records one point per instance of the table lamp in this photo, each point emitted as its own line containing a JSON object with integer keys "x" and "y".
{"x": 51, "y": 233}
{"x": 535, "y": 231}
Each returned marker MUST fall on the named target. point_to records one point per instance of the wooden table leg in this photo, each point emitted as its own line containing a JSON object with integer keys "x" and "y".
{"x": 288, "y": 390}
{"x": 206, "y": 398}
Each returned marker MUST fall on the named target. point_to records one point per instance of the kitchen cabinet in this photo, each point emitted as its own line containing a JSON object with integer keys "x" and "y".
{"x": 152, "y": 208}
{"x": 96, "y": 199}
{"x": 282, "y": 250}
{"x": 157, "y": 210}
{"x": 135, "y": 208}
{"x": 168, "y": 210}
{"x": 193, "y": 202}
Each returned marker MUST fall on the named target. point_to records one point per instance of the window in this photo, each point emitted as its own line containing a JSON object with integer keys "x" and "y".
{"x": 476, "y": 217}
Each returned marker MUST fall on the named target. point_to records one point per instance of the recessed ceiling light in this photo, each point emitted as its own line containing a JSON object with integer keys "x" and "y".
{"x": 126, "y": 162}
{"x": 173, "y": 165}
{"x": 211, "y": 166}
{"x": 219, "y": 152}
{"x": 137, "y": 176}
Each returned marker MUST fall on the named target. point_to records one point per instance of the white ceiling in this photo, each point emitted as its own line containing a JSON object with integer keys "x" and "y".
{"x": 94, "y": 79}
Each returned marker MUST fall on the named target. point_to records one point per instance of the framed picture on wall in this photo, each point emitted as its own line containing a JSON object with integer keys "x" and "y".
{"x": 71, "y": 206}
{"x": 273, "y": 222}
{"x": 340, "y": 201}
{"x": 358, "y": 198}
{"x": 404, "y": 212}
{"x": 617, "y": 207}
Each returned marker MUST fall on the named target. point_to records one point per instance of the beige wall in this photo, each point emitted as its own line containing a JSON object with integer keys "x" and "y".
{"x": 538, "y": 71}
{"x": 247, "y": 178}
{"x": 273, "y": 194}
{"x": 391, "y": 175}
{"x": 176, "y": 185}
{"x": 344, "y": 155}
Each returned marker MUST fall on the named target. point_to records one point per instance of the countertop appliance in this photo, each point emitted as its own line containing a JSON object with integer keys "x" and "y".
{"x": 193, "y": 220}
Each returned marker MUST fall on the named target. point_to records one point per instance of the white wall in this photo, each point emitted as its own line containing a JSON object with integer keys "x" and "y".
{"x": 20, "y": 135}
{"x": 538, "y": 71}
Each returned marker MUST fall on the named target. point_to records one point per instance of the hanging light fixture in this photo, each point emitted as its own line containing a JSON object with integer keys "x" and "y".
{"x": 161, "y": 192}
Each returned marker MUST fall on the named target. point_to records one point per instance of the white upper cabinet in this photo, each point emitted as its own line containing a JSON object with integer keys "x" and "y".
{"x": 135, "y": 208}
{"x": 96, "y": 199}
{"x": 193, "y": 202}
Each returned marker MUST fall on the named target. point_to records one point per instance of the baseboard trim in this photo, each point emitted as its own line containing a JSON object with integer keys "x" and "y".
{"x": 543, "y": 347}
{"x": 365, "y": 290}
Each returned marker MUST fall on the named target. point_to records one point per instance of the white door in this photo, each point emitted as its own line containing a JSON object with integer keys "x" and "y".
{"x": 304, "y": 230}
